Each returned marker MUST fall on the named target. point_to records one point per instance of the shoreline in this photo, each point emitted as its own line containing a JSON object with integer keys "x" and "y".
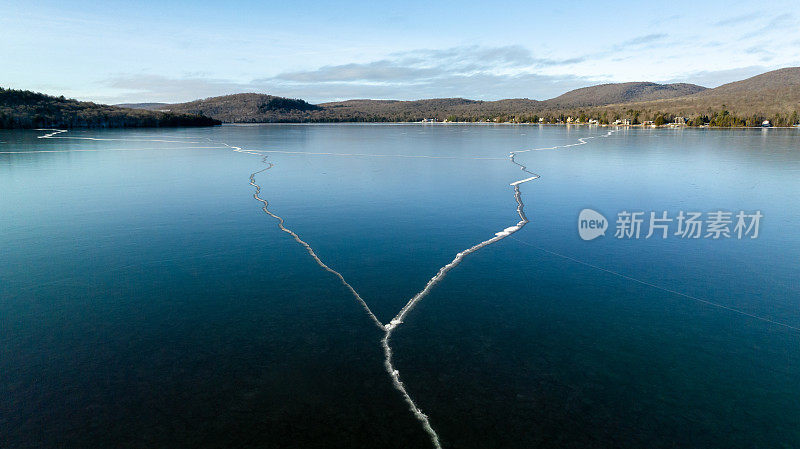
{"x": 668, "y": 126}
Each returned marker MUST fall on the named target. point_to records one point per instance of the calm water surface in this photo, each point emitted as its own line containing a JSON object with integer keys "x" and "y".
{"x": 146, "y": 300}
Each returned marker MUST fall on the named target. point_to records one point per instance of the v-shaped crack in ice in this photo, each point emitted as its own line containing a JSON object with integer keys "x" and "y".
{"x": 389, "y": 327}
{"x": 393, "y": 324}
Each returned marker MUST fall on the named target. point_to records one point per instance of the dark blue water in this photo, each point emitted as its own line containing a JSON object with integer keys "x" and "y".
{"x": 146, "y": 300}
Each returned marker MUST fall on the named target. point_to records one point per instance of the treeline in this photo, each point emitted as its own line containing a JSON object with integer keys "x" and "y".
{"x": 384, "y": 113}
{"x": 506, "y": 111}
{"x": 26, "y": 109}
{"x": 721, "y": 119}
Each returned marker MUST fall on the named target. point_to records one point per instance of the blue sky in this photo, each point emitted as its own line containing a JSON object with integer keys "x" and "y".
{"x": 177, "y": 51}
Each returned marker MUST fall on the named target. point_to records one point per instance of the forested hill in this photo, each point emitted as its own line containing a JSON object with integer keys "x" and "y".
{"x": 242, "y": 108}
{"x": 777, "y": 91}
{"x": 772, "y": 96}
{"x": 26, "y": 109}
{"x": 604, "y": 94}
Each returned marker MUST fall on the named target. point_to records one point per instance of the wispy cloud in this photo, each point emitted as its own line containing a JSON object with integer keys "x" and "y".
{"x": 146, "y": 87}
{"x": 623, "y": 49}
{"x": 378, "y": 71}
{"x": 735, "y": 20}
{"x": 646, "y": 39}
{"x": 424, "y": 65}
{"x": 784, "y": 21}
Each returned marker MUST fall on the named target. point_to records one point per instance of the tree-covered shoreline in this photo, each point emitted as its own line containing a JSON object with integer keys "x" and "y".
{"x": 22, "y": 109}
{"x": 721, "y": 119}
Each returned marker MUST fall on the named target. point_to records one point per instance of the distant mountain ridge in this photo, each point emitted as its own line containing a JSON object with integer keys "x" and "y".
{"x": 773, "y": 96}
{"x": 255, "y": 108}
